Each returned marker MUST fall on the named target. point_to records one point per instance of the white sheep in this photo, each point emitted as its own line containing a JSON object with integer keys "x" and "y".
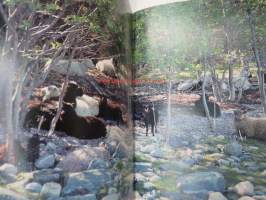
{"x": 86, "y": 106}
{"x": 49, "y": 92}
{"x": 107, "y": 67}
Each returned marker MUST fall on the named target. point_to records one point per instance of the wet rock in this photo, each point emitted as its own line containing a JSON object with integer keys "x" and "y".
{"x": 80, "y": 159}
{"x": 45, "y": 162}
{"x": 34, "y": 187}
{"x": 89, "y": 181}
{"x": 202, "y": 182}
{"x": 8, "y": 169}
{"x": 234, "y": 149}
{"x": 111, "y": 197}
{"x": 244, "y": 188}
{"x": 48, "y": 175}
{"x": 216, "y": 196}
{"x": 50, "y": 190}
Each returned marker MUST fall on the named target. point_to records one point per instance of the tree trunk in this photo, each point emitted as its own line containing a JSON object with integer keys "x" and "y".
{"x": 257, "y": 57}
{"x": 227, "y": 52}
{"x": 204, "y": 97}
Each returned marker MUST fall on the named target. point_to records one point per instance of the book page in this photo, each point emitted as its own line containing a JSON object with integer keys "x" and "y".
{"x": 65, "y": 113}
{"x": 199, "y": 100}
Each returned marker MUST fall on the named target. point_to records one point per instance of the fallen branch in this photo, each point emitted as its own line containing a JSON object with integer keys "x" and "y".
{"x": 61, "y": 97}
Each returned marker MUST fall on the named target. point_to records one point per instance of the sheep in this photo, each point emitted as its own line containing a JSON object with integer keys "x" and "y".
{"x": 107, "y": 67}
{"x": 34, "y": 115}
{"x": 81, "y": 127}
{"x": 110, "y": 111}
{"x": 151, "y": 117}
{"x": 50, "y": 92}
{"x": 86, "y": 106}
{"x": 212, "y": 106}
{"x": 251, "y": 127}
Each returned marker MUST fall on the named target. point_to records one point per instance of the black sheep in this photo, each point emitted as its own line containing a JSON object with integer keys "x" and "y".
{"x": 212, "y": 106}
{"x": 81, "y": 127}
{"x": 73, "y": 91}
{"x": 110, "y": 111}
{"x": 34, "y": 115}
{"x": 151, "y": 117}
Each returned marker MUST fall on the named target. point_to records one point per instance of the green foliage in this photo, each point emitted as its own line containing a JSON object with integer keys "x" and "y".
{"x": 179, "y": 34}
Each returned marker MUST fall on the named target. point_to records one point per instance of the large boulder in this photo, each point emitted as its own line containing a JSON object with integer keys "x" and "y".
{"x": 48, "y": 175}
{"x": 244, "y": 188}
{"x": 45, "y": 162}
{"x": 50, "y": 190}
{"x": 9, "y": 169}
{"x": 80, "y": 159}
{"x": 78, "y": 67}
{"x": 216, "y": 196}
{"x": 86, "y": 182}
{"x": 201, "y": 182}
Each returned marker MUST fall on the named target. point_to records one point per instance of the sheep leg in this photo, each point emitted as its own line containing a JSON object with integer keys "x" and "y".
{"x": 147, "y": 128}
{"x": 152, "y": 129}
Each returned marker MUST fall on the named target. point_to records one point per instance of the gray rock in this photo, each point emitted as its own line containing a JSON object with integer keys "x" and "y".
{"x": 78, "y": 197}
{"x": 111, "y": 197}
{"x": 89, "y": 181}
{"x": 78, "y": 67}
{"x": 34, "y": 187}
{"x": 50, "y": 190}
{"x": 48, "y": 175}
{"x": 98, "y": 164}
{"x": 244, "y": 188}
{"x": 148, "y": 186}
{"x": 80, "y": 159}
{"x": 45, "y": 162}
{"x": 233, "y": 149}
{"x": 6, "y": 178}
{"x": 9, "y": 169}
{"x": 216, "y": 196}
{"x": 201, "y": 182}
{"x": 142, "y": 167}
{"x": 157, "y": 153}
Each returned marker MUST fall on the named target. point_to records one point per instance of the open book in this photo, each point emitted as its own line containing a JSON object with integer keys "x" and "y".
{"x": 147, "y": 100}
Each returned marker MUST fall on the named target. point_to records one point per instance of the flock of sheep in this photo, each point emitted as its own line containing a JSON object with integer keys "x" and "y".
{"x": 82, "y": 116}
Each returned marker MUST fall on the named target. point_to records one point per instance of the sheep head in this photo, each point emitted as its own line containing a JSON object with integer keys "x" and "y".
{"x": 73, "y": 91}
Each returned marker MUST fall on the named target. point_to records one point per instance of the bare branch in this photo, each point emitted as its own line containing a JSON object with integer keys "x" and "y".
{"x": 60, "y": 106}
